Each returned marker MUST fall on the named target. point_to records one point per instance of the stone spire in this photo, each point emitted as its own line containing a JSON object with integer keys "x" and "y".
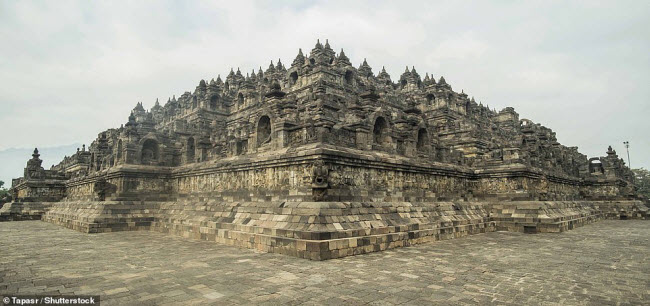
{"x": 427, "y": 80}
{"x": 271, "y": 68}
{"x": 138, "y": 107}
{"x": 280, "y": 67}
{"x": 260, "y": 73}
{"x": 443, "y": 83}
{"x": 34, "y": 169}
{"x": 463, "y": 96}
{"x": 327, "y": 50}
{"x": 318, "y": 48}
{"x": 611, "y": 152}
{"x": 231, "y": 77}
{"x": 299, "y": 60}
{"x": 321, "y": 56}
{"x": 384, "y": 76}
{"x": 131, "y": 120}
{"x": 156, "y": 107}
{"x": 327, "y": 45}
{"x": 414, "y": 73}
{"x": 343, "y": 59}
{"x": 365, "y": 69}
{"x": 248, "y": 82}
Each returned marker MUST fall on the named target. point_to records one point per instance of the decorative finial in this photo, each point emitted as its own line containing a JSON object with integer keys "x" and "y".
{"x": 327, "y": 45}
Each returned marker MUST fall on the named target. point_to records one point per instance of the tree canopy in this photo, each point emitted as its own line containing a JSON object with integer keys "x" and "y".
{"x": 642, "y": 181}
{"x": 4, "y": 194}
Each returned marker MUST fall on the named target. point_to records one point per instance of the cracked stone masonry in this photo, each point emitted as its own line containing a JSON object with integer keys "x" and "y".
{"x": 322, "y": 160}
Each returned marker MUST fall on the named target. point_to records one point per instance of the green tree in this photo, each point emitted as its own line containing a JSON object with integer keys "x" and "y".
{"x": 4, "y": 194}
{"x": 642, "y": 181}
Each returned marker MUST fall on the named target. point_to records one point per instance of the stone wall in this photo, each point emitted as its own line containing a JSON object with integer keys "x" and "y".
{"x": 352, "y": 175}
{"x": 39, "y": 191}
{"x": 247, "y": 182}
{"x": 122, "y": 183}
{"x": 324, "y": 230}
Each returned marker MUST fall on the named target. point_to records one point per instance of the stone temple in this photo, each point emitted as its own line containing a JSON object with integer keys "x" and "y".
{"x": 322, "y": 160}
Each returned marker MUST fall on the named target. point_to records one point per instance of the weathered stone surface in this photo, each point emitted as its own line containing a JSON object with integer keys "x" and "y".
{"x": 322, "y": 160}
{"x": 604, "y": 263}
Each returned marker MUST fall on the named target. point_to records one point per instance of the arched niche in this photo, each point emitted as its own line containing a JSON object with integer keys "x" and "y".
{"x": 118, "y": 154}
{"x": 214, "y": 102}
{"x": 150, "y": 152}
{"x": 263, "y": 130}
{"x": 423, "y": 140}
{"x": 596, "y": 166}
{"x": 293, "y": 77}
{"x": 380, "y": 132}
{"x": 430, "y": 98}
{"x": 240, "y": 98}
{"x": 349, "y": 77}
{"x": 190, "y": 149}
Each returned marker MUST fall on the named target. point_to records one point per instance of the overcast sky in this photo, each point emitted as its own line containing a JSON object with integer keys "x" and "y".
{"x": 71, "y": 69}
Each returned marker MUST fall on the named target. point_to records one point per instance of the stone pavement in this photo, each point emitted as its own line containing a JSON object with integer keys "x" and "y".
{"x": 605, "y": 263}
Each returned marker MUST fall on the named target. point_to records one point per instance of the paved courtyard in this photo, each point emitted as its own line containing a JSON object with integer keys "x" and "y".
{"x": 606, "y": 263}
